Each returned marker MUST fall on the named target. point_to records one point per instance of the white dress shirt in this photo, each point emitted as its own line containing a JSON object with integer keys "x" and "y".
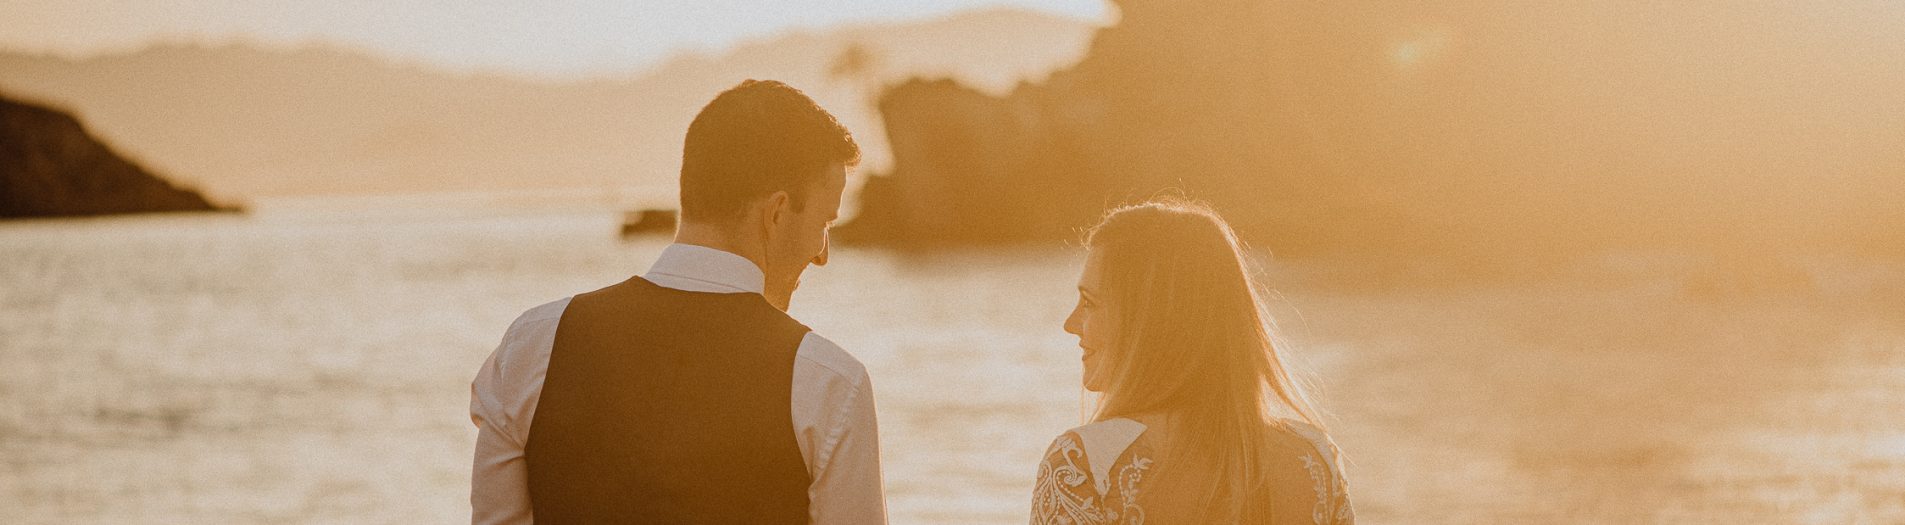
{"x": 832, "y": 403}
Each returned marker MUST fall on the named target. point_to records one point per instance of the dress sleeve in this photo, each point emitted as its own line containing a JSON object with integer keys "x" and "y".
{"x": 1337, "y": 505}
{"x": 1305, "y": 477}
{"x": 1323, "y": 463}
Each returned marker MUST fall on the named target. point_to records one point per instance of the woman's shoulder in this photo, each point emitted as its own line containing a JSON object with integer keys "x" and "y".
{"x": 1096, "y": 448}
{"x": 1115, "y": 433}
{"x": 1307, "y": 467}
{"x": 1303, "y": 437}
{"x": 1300, "y": 450}
{"x": 1102, "y": 439}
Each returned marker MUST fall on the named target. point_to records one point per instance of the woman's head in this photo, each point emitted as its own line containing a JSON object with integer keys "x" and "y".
{"x": 1169, "y": 318}
{"x": 1171, "y": 325}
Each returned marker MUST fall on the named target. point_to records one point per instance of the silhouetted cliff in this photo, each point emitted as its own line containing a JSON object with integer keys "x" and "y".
{"x": 974, "y": 169}
{"x": 1430, "y": 129}
{"x": 50, "y": 166}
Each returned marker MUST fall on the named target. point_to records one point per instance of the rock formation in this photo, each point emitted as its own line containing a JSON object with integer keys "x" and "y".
{"x": 1175, "y": 97}
{"x": 648, "y": 222}
{"x": 50, "y": 166}
{"x": 1436, "y": 129}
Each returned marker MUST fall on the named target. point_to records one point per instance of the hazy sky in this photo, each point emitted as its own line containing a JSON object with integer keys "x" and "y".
{"x": 560, "y": 37}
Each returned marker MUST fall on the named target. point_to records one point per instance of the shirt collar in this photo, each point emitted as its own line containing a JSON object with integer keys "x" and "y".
{"x": 709, "y": 265}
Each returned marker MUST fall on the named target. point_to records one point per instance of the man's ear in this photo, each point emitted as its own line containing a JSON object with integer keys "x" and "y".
{"x": 777, "y": 209}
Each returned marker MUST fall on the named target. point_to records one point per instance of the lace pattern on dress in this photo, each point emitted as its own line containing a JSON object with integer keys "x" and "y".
{"x": 1065, "y": 493}
{"x": 1326, "y": 478}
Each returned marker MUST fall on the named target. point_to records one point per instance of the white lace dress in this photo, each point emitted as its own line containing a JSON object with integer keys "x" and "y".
{"x": 1095, "y": 474}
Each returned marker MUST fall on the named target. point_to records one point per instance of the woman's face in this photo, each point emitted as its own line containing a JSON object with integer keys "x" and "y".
{"x": 1095, "y": 323}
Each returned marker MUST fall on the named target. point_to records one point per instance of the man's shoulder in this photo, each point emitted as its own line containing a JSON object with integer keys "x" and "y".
{"x": 543, "y": 313}
{"x": 820, "y": 353}
{"x": 523, "y": 339}
{"x": 507, "y": 386}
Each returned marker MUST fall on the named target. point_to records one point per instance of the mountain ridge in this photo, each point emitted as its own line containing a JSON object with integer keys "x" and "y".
{"x": 244, "y": 122}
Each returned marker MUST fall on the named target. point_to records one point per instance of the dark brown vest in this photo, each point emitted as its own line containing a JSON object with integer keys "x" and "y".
{"x": 667, "y": 406}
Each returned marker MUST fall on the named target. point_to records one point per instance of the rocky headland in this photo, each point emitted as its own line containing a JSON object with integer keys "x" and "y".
{"x": 1513, "y": 136}
{"x": 50, "y": 166}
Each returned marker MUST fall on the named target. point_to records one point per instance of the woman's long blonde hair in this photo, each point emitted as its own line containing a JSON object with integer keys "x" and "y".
{"x": 1194, "y": 343}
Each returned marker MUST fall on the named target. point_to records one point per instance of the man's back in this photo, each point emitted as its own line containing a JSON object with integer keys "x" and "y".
{"x": 827, "y": 399}
{"x": 668, "y": 406}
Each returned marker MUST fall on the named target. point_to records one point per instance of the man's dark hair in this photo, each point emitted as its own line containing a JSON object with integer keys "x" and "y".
{"x": 756, "y": 138}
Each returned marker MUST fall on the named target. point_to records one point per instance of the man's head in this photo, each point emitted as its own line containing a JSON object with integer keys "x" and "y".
{"x": 762, "y": 172}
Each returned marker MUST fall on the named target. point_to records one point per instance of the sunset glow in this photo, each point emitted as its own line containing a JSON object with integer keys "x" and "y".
{"x": 952, "y": 262}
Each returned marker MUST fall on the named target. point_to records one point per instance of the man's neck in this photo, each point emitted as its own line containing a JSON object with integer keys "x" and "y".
{"x": 721, "y": 238}
{"x": 752, "y": 248}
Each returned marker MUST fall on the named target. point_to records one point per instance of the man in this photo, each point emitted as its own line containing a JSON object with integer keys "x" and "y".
{"x": 686, "y": 394}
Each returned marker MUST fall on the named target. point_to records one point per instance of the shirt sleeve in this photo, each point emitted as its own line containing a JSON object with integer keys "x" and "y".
{"x": 845, "y": 461}
{"x": 499, "y": 477}
{"x": 502, "y": 401}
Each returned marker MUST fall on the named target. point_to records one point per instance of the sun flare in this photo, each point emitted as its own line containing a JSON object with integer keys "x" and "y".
{"x": 1421, "y": 48}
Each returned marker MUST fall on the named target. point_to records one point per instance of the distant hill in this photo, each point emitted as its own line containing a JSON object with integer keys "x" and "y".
{"x": 245, "y": 122}
{"x": 52, "y": 167}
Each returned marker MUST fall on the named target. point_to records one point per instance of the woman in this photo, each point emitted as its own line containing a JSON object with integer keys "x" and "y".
{"x": 1199, "y": 421}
